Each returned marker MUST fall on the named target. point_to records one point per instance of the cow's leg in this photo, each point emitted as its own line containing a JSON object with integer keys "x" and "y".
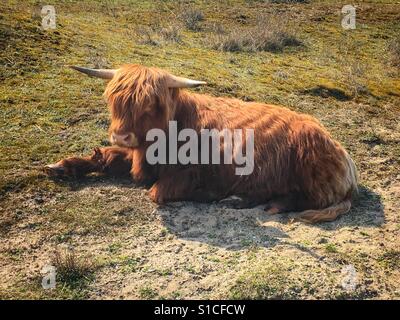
{"x": 182, "y": 185}
{"x": 110, "y": 160}
{"x": 141, "y": 171}
{"x": 282, "y": 204}
{"x": 73, "y": 167}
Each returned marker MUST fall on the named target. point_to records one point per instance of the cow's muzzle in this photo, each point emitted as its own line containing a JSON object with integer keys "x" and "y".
{"x": 124, "y": 140}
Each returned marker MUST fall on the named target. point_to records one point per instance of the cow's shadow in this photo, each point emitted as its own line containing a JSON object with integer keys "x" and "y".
{"x": 234, "y": 229}
{"x": 238, "y": 229}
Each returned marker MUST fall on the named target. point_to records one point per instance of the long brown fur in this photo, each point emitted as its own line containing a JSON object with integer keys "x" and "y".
{"x": 297, "y": 164}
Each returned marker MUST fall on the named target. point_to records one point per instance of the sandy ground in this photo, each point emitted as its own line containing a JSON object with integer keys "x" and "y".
{"x": 186, "y": 250}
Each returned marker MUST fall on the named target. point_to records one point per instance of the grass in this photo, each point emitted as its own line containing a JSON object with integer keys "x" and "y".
{"x": 74, "y": 274}
{"x": 267, "y": 280}
{"x": 71, "y": 269}
{"x": 390, "y": 259}
{"x": 289, "y": 1}
{"x": 311, "y": 65}
{"x": 147, "y": 293}
{"x": 331, "y": 248}
{"x": 271, "y": 33}
{"x": 394, "y": 51}
{"x": 157, "y": 37}
{"x": 279, "y": 278}
{"x": 191, "y": 17}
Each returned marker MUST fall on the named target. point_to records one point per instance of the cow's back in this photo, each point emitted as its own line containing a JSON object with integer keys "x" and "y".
{"x": 292, "y": 152}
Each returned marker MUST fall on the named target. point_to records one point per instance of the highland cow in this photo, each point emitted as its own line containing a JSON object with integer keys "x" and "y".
{"x": 298, "y": 166}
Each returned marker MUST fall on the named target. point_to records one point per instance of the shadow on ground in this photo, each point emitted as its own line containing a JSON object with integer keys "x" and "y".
{"x": 238, "y": 229}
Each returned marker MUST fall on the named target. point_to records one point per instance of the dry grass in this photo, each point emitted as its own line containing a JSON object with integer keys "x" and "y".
{"x": 70, "y": 268}
{"x": 156, "y": 36}
{"x": 390, "y": 259}
{"x": 289, "y": 1}
{"x": 191, "y": 18}
{"x": 268, "y": 282}
{"x": 270, "y": 33}
{"x": 171, "y": 34}
{"x": 354, "y": 75}
{"x": 394, "y": 51}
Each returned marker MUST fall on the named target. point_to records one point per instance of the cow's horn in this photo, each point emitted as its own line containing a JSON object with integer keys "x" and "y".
{"x": 98, "y": 73}
{"x": 180, "y": 82}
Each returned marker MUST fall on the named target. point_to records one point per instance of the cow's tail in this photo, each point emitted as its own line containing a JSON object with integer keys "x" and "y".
{"x": 327, "y": 214}
{"x": 335, "y": 210}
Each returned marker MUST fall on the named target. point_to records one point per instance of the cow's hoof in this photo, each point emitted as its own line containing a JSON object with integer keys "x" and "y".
{"x": 233, "y": 202}
{"x": 155, "y": 194}
{"x": 54, "y": 170}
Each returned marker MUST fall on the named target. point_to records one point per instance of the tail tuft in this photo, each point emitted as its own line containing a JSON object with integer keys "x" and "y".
{"x": 327, "y": 214}
{"x": 350, "y": 189}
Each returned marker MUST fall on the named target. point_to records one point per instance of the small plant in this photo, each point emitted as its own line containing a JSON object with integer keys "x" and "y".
{"x": 265, "y": 282}
{"x": 353, "y": 76}
{"x": 156, "y": 36}
{"x": 269, "y": 34}
{"x": 331, "y": 248}
{"x": 372, "y": 138}
{"x": 170, "y": 34}
{"x": 163, "y": 232}
{"x": 147, "y": 36}
{"x": 191, "y": 19}
{"x": 394, "y": 51}
{"x": 70, "y": 268}
{"x": 114, "y": 247}
{"x": 97, "y": 60}
{"x": 147, "y": 293}
{"x": 390, "y": 259}
{"x": 218, "y": 28}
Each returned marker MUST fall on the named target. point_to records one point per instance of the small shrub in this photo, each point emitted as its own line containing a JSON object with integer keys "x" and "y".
{"x": 390, "y": 259}
{"x": 265, "y": 282}
{"x": 232, "y": 42}
{"x": 98, "y": 61}
{"x": 331, "y": 248}
{"x": 147, "y": 293}
{"x": 155, "y": 36}
{"x": 218, "y": 28}
{"x": 394, "y": 51}
{"x": 191, "y": 18}
{"x": 147, "y": 36}
{"x": 70, "y": 268}
{"x": 354, "y": 75}
{"x": 269, "y": 34}
{"x": 170, "y": 34}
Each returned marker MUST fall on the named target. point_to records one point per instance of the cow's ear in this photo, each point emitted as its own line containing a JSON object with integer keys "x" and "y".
{"x": 97, "y": 155}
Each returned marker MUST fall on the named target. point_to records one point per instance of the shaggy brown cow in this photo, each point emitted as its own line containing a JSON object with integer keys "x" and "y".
{"x": 297, "y": 164}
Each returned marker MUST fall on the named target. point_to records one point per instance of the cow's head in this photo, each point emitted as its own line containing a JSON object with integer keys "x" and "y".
{"x": 140, "y": 99}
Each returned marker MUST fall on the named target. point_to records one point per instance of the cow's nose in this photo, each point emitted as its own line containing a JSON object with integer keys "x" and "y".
{"x": 124, "y": 140}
